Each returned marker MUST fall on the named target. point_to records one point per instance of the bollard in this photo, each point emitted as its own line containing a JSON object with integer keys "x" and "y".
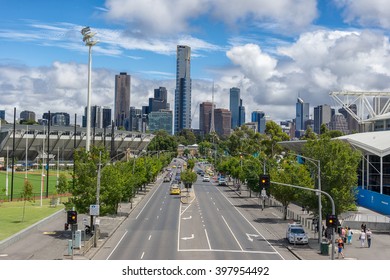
{"x": 70, "y": 247}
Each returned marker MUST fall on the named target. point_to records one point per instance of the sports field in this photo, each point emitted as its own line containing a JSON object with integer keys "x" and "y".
{"x": 13, "y": 218}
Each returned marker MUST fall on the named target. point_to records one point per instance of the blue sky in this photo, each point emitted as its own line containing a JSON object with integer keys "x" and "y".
{"x": 273, "y": 50}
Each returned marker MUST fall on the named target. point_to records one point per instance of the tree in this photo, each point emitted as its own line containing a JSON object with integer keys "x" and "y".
{"x": 339, "y": 165}
{"x": 309, "y": 134}
{"x": 188, "y": 177}
{"x": 292, "y": 173}
{"x": 27, "y": 195}
{"x": 162, "y": 141}
{"x": 274, "y": 135}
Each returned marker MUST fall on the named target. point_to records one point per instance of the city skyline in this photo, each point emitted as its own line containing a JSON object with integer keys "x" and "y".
{"x": 263, "y": 48}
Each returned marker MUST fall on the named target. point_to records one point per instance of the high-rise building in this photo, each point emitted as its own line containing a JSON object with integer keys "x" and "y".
{"x": 107, "y": 117}
{"x": 353, "y": 124}
{"x": 183, "y": 89}
{"x": 135, "y": 115}
{"x": 338, "y": 122}
{"x": 59, "y": 118}
{"x": 2, "y": 114}
{"x": 322, "y": 115}
{"x": 159, "y": 101}
{"x": 223, "y": 120}
{"x": 161, "y": 120}
{"x": 122, "y": 99}
{"x": 205, "y": 111}
{"x": 27, "y": 116}
{"x": 235, "y": 106}
{"x": 241, "y": 109}
{"x": 302, "y": 115}
{"x": 259, "y": 118}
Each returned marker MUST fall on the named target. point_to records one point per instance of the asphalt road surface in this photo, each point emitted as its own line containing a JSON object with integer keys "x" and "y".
{"x": 209, "y": 226}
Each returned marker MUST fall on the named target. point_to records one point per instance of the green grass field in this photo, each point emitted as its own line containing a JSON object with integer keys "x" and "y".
{"x": 11, "y": 212}
{"x": 11, "y": 215}
{"x": 34, "y": 177}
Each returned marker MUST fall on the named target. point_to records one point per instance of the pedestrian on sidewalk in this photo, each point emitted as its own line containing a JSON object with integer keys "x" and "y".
{"x": 340, "y": 247}
{"x": 349, "y": 236}
{"x": 362, "y": 238}
{"x": 368, "y": 235}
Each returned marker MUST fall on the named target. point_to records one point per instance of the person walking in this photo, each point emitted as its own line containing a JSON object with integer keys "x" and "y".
{"x": 368, "y": 235}
{"x": 362, "y": 238}
{"x": 340, "y": 247}
{"x": 349, "y": 236}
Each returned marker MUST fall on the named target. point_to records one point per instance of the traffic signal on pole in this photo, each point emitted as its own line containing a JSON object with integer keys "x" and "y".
{"x": 72, "y": 217}
{"x": 265, "y": 181}
{"x": 331, "y": 221}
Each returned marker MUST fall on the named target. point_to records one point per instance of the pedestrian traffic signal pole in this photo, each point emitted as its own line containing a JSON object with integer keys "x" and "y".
{"x": 317, "y": 191}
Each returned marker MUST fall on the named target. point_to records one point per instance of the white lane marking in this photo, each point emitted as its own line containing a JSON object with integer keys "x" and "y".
{"x": 251, "y": 224}
{"x": 142, "y": 256}
{"x": 120, "y": 240}
{"x": 230, "y": 251}
{"x": 276, "y": 215}
{"x": 187, "y": 218}
{"x": 187, "y": 238}
{"x": 207, "y": 237}
{"x": 150, "y": 237}
{"x": 232, "y": 233}
{"x": 251, "y": 235}
{"x": 158, "y": 217}
{"x": 146, "y": 203}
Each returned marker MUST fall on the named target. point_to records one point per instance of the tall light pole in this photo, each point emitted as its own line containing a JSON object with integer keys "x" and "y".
{"x": 87, "y": 39}
{"x": 317, "y": 163}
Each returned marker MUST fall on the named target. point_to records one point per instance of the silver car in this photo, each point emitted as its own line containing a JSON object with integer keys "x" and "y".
{"x": 296, "y": 234}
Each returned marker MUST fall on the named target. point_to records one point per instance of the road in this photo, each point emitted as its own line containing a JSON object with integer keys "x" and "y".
{"x": 208, "y": 227}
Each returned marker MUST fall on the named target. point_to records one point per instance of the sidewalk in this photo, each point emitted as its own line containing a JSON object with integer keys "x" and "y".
{"x": 380, "y": 246}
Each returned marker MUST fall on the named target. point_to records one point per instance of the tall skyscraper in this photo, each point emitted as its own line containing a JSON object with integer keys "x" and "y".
{"x": 223, "y": 119}
{"x": 122, "y": 99}
{"x": 302, "y": 115}
{"x": 259, "y": 118}
{"x": 353, "y": 124}
{"x": 107, "y": 118}
{"x": 159, "y": 101}
{"x": 183, "y": 89}
{"x": 235, "y": 106}
{"x": 205, "y": 110}
{"x": 322, "y": 115}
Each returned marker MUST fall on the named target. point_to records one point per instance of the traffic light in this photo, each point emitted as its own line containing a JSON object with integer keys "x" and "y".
{"x": 331, "y": 221}
{"x": 72, "y": 217}
{"x": 265, "y": 181}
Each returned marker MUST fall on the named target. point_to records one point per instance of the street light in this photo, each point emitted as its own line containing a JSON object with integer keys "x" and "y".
{"x": 317, "y": 163}
{"x": 87, "y": 39}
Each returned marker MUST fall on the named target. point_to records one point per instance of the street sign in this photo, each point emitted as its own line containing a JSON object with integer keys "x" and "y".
{"x": 94, "y": 210}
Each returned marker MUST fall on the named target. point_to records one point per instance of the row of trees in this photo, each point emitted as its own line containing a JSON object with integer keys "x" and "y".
{"x": 245, "y": 155}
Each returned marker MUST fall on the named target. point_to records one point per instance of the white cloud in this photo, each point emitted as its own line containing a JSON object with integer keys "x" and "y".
{"x": 173, "y": 16}
{"x": 366, "y": 12}
{"x": 164, "y": 16}
{"x": 316, "y": 64}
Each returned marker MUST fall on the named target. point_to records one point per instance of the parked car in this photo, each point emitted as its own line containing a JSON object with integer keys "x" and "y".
{"x": 296, "y": 234}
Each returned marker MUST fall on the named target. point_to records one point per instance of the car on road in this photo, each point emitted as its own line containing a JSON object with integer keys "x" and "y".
{"x": 167, "y": 178}
{"x": 174, "y": 189}
{"x": 222, "y": 182}
{"x": 296, "y": 234}
{"x": 206, "y": 178}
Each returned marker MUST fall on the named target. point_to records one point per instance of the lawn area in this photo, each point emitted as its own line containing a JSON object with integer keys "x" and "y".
{"x": 34, "y": 177}
{"x": 11, "y": 215}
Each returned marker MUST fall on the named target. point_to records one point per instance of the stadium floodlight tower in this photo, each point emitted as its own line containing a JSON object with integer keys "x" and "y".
{"x": 88, "y": 40}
